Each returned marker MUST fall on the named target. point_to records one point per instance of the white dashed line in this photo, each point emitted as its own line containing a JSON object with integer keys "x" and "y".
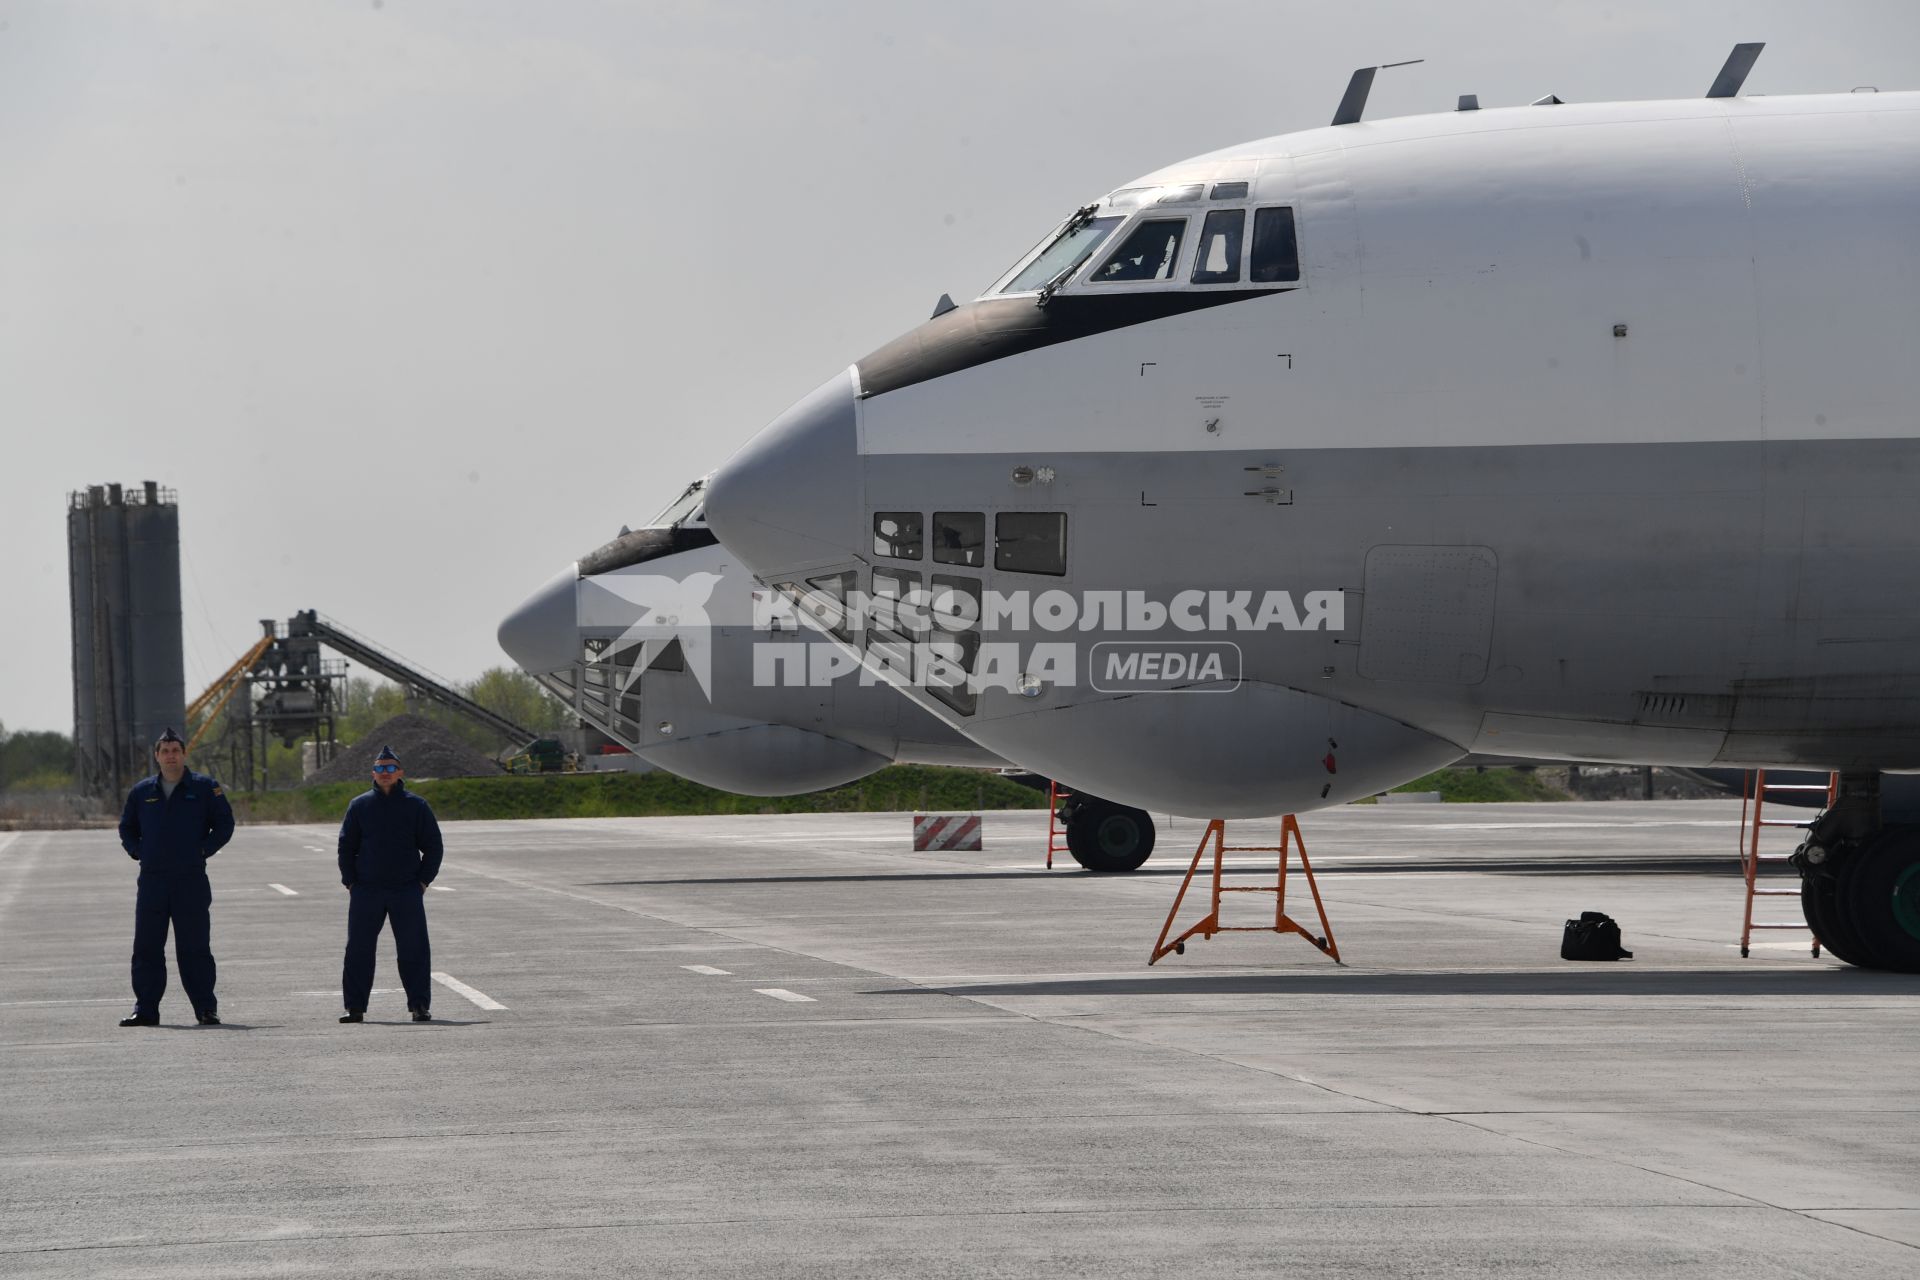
{"x": 440, "y": 888}
{"x": 314, "y": 848}
{"x": 291, "y": 893}
{"x": 458, "y": 987}
{"x": 706, "y": 969}
{"x": 780, "y": 993}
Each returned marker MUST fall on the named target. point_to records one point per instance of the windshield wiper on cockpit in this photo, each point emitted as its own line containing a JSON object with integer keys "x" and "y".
{"x": 1081, "y": 217}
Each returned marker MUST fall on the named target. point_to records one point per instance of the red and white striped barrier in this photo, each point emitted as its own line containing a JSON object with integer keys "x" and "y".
{"x": 955, "y": 831}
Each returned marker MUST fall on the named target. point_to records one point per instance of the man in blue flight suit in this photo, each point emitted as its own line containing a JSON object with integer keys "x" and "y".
{"x": 173, "y": 822}
{"x": 389, "y": 853}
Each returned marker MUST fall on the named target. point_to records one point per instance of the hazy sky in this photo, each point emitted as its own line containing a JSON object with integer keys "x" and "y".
{"x": 415, "y": 302}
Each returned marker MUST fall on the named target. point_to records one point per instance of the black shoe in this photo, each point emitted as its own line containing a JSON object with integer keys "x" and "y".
{"x": 353, "y": 1015}
{"x": 207, "y": 1019}
{"x": 138, "y": 1019}
{"x": 421, "y": 1015}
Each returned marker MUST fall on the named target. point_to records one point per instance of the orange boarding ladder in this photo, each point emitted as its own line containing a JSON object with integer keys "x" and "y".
{"x": 1753, "y": 802}
{"x": 1290, "y": 839}
{"x": 1056, "y": 833}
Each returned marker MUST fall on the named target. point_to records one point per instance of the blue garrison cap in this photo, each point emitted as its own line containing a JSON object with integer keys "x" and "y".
{"x": 386, "y": 753}
{"x": 168, "y": 736}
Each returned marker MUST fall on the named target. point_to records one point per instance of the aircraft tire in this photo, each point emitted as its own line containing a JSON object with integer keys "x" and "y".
{"x": 1109, "y": 838}
{"x": 1819, "y": 902}
{"x": 1879, "y": 899}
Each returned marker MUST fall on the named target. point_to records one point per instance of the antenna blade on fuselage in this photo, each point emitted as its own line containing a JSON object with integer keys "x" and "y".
{"x": 1354, "y": 103}
{"x": 1355, "y": 100}
{"x": 1734, "y": 73}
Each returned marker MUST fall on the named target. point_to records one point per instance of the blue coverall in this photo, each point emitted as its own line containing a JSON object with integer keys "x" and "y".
{"x": 390, "y": 852}
{"x": 171, "y": 837}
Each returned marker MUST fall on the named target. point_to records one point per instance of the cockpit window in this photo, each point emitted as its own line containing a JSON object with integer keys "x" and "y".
{"x": 1229, "y": 191}
{"x": 1134, "y": 197}
{"x": 1149, "y": 253}
{"x": 1030, "y": 542}
{"x": 954, "y": 642}
{"x": 1218, "y": 261}
{"x": 897, "y": 534}
{"x": 1276, "y": 252}
{"x": 960, "y": 537}
{"x": 681, "y": 507}
{"x": 826, "y": 604}
{"x": 1074, "y": 246}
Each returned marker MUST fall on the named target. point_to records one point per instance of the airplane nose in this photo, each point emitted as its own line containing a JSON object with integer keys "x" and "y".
{"x": 789, "y": 501}
{"x": 543, "y": 634}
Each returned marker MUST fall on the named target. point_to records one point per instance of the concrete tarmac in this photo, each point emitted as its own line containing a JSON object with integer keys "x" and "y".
{"x": 789, "y": 1046}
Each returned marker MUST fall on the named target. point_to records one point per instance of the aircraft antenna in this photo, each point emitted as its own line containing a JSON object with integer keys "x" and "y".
{"x": 1354, "y": 102}
{"x": 1733, "y": 73}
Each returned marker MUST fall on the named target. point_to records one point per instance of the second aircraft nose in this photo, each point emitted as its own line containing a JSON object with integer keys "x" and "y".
{"x": 789, "y": 501}
{"x": 543, "y": 634}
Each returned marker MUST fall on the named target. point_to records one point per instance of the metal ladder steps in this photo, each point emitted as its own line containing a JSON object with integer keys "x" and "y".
{"x": 1754, "y": 797}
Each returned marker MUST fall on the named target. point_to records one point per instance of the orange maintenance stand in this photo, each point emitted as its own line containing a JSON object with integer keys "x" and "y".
{"x": 1290, "y": 841}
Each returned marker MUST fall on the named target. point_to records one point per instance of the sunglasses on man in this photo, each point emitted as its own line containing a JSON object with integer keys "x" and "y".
{"x": 386, "y": 768}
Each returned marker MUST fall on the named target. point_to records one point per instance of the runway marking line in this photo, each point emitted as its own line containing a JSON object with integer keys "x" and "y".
{"x": 458, "y": 987}
{"x": 291, "y": 893}
{"x": 707, "y": 969}
{"x": 440, "y": 888}
{"x": 781, "y": 993}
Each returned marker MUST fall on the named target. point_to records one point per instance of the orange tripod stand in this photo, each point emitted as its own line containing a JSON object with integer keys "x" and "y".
{"x": 1290, "y": 839}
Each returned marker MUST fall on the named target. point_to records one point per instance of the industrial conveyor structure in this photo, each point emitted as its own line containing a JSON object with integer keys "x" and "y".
{"x": 416, "y": 682}
{"x": 294, "y": 692}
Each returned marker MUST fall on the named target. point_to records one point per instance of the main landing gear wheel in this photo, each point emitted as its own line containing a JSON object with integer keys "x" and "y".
{"x": 1107, "y": 837}
{"x": 1819, "y": 902}
{"x": 1879, "y": 899}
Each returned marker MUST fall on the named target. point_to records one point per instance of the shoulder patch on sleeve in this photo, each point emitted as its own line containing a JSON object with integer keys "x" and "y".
{"x": 217, "y": 791}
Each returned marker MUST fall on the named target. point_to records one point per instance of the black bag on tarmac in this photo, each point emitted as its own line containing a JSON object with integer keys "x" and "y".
{"x": 1594, "y": 936}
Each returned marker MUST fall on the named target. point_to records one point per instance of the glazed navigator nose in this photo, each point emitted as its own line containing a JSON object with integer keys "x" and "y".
{"x": 789, "y": 501}
{"x": 543, "y": 634}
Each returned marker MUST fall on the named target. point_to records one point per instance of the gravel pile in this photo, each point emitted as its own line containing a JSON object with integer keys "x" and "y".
{"x": 426, "y": 750}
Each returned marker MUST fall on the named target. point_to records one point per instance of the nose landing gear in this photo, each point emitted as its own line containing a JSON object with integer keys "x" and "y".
{"x": 1106, "y": 837}
{"x": 1820, "y": 903}
{"x": 1878, "y": 896}
{"x": 1860, "y": 879}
